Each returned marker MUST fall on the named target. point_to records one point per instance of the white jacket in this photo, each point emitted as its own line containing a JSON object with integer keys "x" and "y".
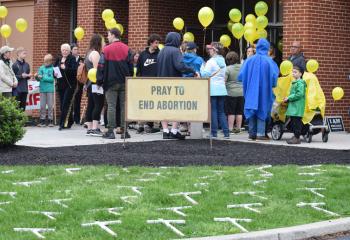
{"x": 7, "y": 77}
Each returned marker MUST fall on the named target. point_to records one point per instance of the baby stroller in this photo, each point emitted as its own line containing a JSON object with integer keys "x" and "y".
{"x": 313, "y": 120}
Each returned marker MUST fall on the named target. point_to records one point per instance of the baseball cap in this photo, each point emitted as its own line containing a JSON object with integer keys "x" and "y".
{"x": 5, "y": 49}
{"x": 191, "y": 46}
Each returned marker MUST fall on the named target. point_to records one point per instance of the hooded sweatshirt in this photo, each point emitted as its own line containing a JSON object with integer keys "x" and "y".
{"x": 170, "y": 61}
{"x": 194, "y": 61}
{"x": 215, "y": 69}
{"x": 147, "y": 63}
{"x": 259, "y": 75}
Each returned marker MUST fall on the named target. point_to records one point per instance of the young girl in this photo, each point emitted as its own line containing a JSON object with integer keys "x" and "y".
{"x": 46, "y": 77}
{"x": 296, "y": 104}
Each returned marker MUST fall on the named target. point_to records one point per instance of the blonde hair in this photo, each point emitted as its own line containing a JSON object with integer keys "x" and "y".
{"x": 48, "y": 59}
{"x": 65, "y": 46}
{"x": 19, "y": 50}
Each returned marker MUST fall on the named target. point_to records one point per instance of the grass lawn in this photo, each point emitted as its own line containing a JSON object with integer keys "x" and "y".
{"x": 96, "y": 187}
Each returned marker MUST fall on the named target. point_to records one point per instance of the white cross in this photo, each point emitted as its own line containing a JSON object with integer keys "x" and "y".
{"x": 187, "y": 196}
{"x": 114, "y": 211}
{"x": 72, "y": 170}
{"x": 158, "y": 174}
{"x": 315, "y": 206}
{"x": 36, "y": 231}
{"x": 11, "y": 194}
{"x": 309, "y": 173}
{"x": 60, "y": 201}
{"x": 7, "y": 171}
{"x": 253, "y": 194}
{"x": 26, "y": 184}
{"x": 176, "y": 210}
{"x": 111, "y": 175}
{"x": 125, "y": 199}
{"x": 247, "y": 206}
{"x": 168, "y": 223}
{"x": 314, "y": 167}
{"x": 235, "y": 221}
{"x": 50, "y": 215}
{"x": 145, "y": 179}
{"x": 134, "y": 189}
{"x": 218, "y": 172}
{"x": 103, "y": 225}
{"x": 314, "y": 191}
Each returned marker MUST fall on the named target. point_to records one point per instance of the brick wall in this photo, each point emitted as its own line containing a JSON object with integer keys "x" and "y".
{"x": 323, "y": 28}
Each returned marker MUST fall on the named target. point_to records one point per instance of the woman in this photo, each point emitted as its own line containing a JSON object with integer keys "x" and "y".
{"x": 95, "y": 99}
{"x": 215, "y": 69}
{"x": 234, "y": 102}
{"x": 66, "y": 85}
{"x": 8, "y": 78}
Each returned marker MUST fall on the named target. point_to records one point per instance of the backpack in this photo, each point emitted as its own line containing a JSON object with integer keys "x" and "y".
{"x": 82, "y": 74}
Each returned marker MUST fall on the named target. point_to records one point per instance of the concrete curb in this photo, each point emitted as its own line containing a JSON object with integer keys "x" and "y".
{"x": 290, "y": 233}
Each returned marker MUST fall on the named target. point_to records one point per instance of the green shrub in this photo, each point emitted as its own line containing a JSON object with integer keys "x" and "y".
{"x": 12, "y": 121}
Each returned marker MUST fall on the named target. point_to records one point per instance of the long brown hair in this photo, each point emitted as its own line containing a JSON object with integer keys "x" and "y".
{"x": 96, "y": 42}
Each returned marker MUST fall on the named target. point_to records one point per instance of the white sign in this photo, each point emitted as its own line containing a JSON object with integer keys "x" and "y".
{"x": 33, "y": 98}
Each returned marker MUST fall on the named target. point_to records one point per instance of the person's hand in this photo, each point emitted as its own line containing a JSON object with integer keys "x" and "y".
{"x": 15, "y": 85}
{"x": 197, "y": 75}
{"x": 25, "y": 75}
{"x": 63, "y": 66}
{"x": 55, "y": 74}
{"x": 285, "y": 100}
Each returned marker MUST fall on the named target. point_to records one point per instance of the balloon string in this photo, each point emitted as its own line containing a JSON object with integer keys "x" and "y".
{"x": 205, "y": 30}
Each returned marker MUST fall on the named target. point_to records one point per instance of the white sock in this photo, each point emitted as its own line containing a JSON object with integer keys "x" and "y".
{"x": 166, "y": 130}
{"x": 173, "y": 130}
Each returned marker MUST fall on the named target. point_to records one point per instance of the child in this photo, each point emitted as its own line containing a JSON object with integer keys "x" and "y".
{"x": 296, "y": 104}
{"x": 46, "y": 76}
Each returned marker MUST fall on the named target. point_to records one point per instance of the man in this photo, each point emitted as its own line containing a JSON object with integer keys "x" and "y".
{"x": 147, "y": 67}
{"x": 170, "y": 64}
{"x": 22, "y": 70}
{"x": 297, "y": 57}
{"x": 77, "y": 100}
{"x": 259, "y": 75}
{"x": 115, "y": 64}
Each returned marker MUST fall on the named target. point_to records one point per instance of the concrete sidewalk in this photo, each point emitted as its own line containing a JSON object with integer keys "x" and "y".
{"x": 51, "y": 137}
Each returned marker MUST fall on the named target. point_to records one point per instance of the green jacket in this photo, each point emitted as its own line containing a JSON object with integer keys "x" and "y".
{"x": 47, "y": 81}
{"x": 296, "y": 99}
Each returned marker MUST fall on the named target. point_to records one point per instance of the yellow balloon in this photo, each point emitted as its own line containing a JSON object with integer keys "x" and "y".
{"x": 21, "y": 24}
{"x": 5, "y": 31}
{"x": 3, "y": 11}
{"x": 337, "y": 93}
{"x": 92, "y": 75}
{"x": 235, "y": 15}
{"x": 286, "y": 67}
{"x": 225, "y": 40}
{"x": 238, "y": 30}
{"x": 250, "y": 18}
{"x": 250, "y": 35}
{"x": 79, "y": 33}
{"x": 261, "y": 8}
{"x": 160, "y": 46}
{"x": 107, "y": 14}
{"x": 262, "y": 33}
{"x": 205, "y": 16}
{"x": 312, "y": 65}
{"x": 229, "y": 25}
{"x": 249, "y": 25}
{"x": 120, "y": 28}
{"x": 188, "y": 37}
{"x": 262, "y": 22}
{"x": 178, "y": 23}
{"x": 111, "y": 23}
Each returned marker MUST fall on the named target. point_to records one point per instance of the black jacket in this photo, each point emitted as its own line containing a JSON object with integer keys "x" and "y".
{"x": 147, "y": 63}
{"x": 170, "y": 60}
{"x": 69, "y": 74}
{"x": 18, "y": 68}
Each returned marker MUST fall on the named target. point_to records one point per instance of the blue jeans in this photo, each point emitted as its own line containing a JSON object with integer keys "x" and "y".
{"x": 256, "y": 127}
{"x": 218, "y": 115}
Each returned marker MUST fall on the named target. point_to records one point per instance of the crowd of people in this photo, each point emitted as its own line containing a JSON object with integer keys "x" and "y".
{"x": 240, "y": 88}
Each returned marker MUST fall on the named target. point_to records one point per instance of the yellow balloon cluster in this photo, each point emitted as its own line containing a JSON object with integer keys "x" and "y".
{"x": 238, "y": 30}
{"x": 21, "y": 24}
{"x": 261, "y": 8}
{"x": 205, "y": 16}
{"x": 5, "y": 31}
{"x": 188, "y": 37}
{"x": 235, "y": 15}
{"x": 178, "y": 23}
{"x": 79, "y": 33}
{"x": 110, "y": 22}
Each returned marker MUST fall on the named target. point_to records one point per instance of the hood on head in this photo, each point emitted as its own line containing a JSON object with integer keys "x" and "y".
{"x": 263, "y": 47}
{"x": 173, "y": 39}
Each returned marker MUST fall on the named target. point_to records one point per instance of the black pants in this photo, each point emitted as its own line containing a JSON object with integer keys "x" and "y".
{"x": 77, "y": 102}
{"x": 297, "y": 125}
{"x": 22, "y": 99}
{"x": 66, "y": 97}
{"x": 95, "y": 105}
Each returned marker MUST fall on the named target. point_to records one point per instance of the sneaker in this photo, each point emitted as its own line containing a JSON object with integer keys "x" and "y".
{"x": 294, "y": 140}
{"x": 262, "y": 138}
{"x": 42, "y": 123}
{"x": 140, "y": 130}
{"x": 227, "y": 137}
{"x": 251, "y": 138}
{"x": 108, "y": 135}
{"x": 51, "y": 123}
{"x": 177, "y": 136}
{"x": 166, "y": 135}
{"x": 183, "y": 128}
{"x": 88, "y": 132}
{"x": 96, "y": 133}
{"x": 236, "y": 131}
{"x": 125, "y": 135}
{"x": 119, "y": 130}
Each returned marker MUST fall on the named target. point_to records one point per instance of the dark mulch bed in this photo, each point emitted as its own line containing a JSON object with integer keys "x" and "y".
{"x": 337, "y": 236}
{"x": 173, "y": 153}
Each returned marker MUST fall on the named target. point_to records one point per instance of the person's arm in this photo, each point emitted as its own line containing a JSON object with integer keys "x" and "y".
{"x": 39, "y": 76}
{"x": 207, "y": 69}
{"x": 180, "y": 65}
{"x": 100, "y": 70}
{"x": 139, "y": 65}
{"x": 130, "y": 63}
{"x": 15, "y": 69}
{"x": 299, "y": 93}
